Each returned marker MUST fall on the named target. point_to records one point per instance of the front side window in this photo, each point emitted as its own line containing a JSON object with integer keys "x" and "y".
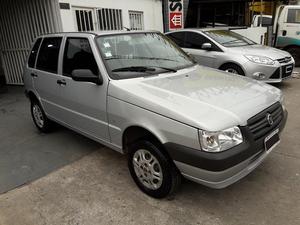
{"x": 48, "y": 54}
{"x": 293, "y": 16}
{"x": 140, "y": 54}
{"x": 78, "y": 55}
{"x": 33, "y": 53}
{"x": 228, "y": 38}
{"x": 195, "y": 40}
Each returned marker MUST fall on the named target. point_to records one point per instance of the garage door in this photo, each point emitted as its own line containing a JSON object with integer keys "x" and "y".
{"x": 20, "y": 22}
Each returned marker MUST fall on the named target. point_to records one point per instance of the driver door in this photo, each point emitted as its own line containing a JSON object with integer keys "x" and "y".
{"x": 193, "y": 46}
{"x": 84, "y": 107}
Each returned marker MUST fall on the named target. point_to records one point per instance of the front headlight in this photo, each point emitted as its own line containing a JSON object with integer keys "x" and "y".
{"x": 260, "y": 59}
{"x": 221, "y": 140}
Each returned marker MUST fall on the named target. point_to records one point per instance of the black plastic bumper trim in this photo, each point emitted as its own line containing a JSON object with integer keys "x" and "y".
{"x": 222, "y": 160}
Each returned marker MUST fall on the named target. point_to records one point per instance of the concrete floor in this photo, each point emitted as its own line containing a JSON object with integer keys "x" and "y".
{"x": 97, "y": 189}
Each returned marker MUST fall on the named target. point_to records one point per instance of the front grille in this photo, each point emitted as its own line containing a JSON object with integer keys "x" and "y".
{"x": 282, "y": 72}
{"x": 259, "y": 125}
{"x": 284, "y": 60}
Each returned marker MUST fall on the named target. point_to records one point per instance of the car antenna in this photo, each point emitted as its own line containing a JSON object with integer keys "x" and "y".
{"x": 126, "y": 28}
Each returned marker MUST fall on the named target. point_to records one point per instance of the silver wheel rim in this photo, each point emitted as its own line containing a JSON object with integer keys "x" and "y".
{"x": 230, "y": 70}
{"x": 38, "y": 116}
{"x": 147, "y": 169}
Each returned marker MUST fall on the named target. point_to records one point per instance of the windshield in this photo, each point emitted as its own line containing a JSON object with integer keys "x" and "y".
{"x": 141, "y": 54}
{"x": 228, "y": 38}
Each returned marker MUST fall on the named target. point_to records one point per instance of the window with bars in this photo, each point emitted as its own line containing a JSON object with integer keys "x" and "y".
{"x": 136, "y": 20}
{"x": 110, "y": 19}
{"x": 84, "y": 19}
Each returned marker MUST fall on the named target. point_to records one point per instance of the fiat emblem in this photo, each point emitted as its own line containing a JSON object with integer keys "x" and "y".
{"x": 270, "y": 119}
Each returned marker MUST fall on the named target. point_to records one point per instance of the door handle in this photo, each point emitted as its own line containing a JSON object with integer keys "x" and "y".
{"x": 284, "y": 32}
{"x": 34, "y": 75}
{"x": 61, "y": 82}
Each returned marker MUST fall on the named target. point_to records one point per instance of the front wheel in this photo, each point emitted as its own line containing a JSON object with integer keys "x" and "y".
{"x": 233, "y": 68}
{"x": 153, "y": 172}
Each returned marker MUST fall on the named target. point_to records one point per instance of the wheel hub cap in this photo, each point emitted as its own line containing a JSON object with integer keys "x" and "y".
{"x": 147, "y": 169}
{"x": 230, "y": 70}
{"x": 38, "y": 116}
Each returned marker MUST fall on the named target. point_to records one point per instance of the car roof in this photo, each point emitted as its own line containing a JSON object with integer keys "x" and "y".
{"x": 97, "y": 33}
{"x": 207, "y": 29}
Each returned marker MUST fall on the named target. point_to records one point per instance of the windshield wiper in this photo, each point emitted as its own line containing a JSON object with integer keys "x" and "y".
{"x": 166, "y": 68}
{"x": 143, "y": 69}
{"x": 137, "y": 57}
{"x": 134, "y": 69}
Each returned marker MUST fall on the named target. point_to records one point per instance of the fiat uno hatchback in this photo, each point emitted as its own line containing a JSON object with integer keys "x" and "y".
{"x": 141, "y": 95}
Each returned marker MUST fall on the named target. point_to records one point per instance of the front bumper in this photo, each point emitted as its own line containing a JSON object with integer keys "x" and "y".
{"x": 219, "y": 170}
{"x": 273, "y": 73}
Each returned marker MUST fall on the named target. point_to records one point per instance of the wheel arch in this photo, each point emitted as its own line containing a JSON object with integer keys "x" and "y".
{"x": 232, "y": 63}
{"x": 134, "y": 133}
{"x": 285, "y": 48}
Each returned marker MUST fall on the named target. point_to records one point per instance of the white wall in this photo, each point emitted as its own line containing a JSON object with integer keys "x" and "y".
{"x": 152, "y": 9}
{"x": 256, "y": 34}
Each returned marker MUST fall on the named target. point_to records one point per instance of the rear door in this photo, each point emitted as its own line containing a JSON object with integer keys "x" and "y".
{"x": 45, "y": 75}
{"x": 84, "y": 103}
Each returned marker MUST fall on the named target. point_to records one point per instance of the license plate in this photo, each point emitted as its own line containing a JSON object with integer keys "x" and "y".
{"x": 289, "y": 69}
{"x": 272, "y": 140}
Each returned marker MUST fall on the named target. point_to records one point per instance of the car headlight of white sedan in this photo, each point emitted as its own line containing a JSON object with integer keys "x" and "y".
{"x": 221, "y": 140}
{"x": 260, "y": 59}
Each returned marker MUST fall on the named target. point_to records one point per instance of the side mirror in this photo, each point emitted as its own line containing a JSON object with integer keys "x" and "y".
{"x": 206, "y": 46}
{"x": 86, "y": 75}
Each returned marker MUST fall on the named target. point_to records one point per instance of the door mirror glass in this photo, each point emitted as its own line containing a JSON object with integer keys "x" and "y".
{"x": 206, "y": 46}
{"x": 86, "y": 75}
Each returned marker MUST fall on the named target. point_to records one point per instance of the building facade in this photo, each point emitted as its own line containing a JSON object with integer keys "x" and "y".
{"x": 21, "y": 21}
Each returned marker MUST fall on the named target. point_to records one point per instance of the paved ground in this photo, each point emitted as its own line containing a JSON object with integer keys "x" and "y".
{"x": 26, "y": 154}
{"x": 97, "y": 189}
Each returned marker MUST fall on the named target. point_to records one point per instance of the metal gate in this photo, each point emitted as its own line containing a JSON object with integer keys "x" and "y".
{"x": 20, "y": 22}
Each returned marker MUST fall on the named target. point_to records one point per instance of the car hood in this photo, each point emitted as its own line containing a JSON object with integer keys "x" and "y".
{"x": 261, "y": 50}
{"x": 201, "y": 97}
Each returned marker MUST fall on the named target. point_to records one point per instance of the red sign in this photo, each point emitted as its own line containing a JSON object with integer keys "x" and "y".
{"x": 176, "y": 14}
{"x": 176, "y": 21}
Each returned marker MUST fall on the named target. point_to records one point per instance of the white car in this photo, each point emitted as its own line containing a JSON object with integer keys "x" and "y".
{"x": 223, "y": 49}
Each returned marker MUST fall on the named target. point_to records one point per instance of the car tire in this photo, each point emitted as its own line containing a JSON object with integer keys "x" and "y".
{"x": 295, "y": 52}
{"x": 232, "y": 68}
{"x": 152, "y": 170}
{"x": 39, "y": 117}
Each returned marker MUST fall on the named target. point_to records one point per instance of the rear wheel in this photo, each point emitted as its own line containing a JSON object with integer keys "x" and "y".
{"x": 232, "y": 68}
{"x": 153, "y": 172}
{"x": 39, "y": 117}
{"x": 295, "y": 52}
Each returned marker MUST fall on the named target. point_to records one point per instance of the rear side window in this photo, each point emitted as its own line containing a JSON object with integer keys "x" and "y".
{"x": 48, "y": 55}
{"x": 33, "y": 53}
{"x": 293, "y": 16}
{"x": 177, "y": 37}
{"x": 78, "y": 55}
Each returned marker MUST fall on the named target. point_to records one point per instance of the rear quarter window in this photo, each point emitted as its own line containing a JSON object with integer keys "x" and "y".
{"x": 177, "y": 37}
{"x": 33, "y": 53}
{"x": 48, "y": 54}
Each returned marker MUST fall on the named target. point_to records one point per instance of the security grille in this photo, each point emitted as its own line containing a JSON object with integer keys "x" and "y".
{"x": 84, "y": 19}
{"x": 20, "y": 22}
{"x": 109, "y": 19}
{"x": 136, "y": 20}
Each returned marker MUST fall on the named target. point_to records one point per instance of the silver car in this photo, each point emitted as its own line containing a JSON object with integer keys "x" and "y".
{"x": 141, "y": 95}
{"x": 226, "y": 50}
